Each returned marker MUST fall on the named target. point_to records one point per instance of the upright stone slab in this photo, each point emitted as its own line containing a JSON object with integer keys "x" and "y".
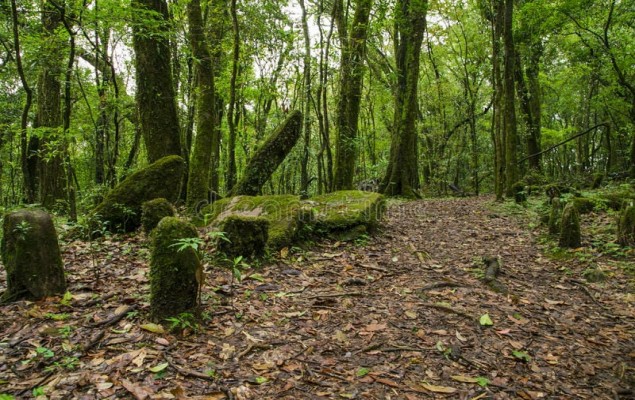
{"x": 626, "y": 227}
{"x": 31, "y": 256}
{"x": 247, "y": 236}
{"x": 121, "y": 207}
{"x": 175, "y": 273}
{"x": 570, "y": 227}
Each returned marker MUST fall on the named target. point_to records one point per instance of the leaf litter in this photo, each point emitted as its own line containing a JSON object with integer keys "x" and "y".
{"x": 402, "y": 315}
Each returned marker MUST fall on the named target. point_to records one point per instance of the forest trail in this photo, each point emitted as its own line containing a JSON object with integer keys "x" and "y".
{"x": 393, "y": 316}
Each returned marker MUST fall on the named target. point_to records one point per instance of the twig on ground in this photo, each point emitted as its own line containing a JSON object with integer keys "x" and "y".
{"x": 115, "y": 318}
{"x": 447, "y": 309}
{"x": 346, "y": 294}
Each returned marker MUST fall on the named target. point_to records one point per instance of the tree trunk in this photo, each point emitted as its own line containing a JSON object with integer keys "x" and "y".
{"x": 304, "y": 174}
{"x": 402, "y": 177}
{"x": 231, "y": 123}
{"x": 200, "y": 162}
{"x": 155, "y": 90}
{"x": 51, "y": 173}
{"x": 509, "y": 116}
{"x": 351, "y": 74}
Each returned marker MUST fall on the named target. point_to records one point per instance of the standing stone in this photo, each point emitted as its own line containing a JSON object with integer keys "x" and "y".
{"x": 626, "y": 227}
{"x": 175, "y": 272}
{"x": 153, "y": 211}
{"x": 570, "y": 227}
{"x": 31, "y": 256}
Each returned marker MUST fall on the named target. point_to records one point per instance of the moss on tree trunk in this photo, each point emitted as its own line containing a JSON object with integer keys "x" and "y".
{"x": 570, "y": 227}
{"x": 31, "y": 255}
{"x": 175, "y": 271}
{"x": 269, "y": 156}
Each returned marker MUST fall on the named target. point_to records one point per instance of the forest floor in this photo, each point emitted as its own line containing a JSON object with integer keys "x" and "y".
{"x": 399, "y": 315}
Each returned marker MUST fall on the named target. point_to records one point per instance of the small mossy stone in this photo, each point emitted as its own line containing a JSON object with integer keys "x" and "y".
{"x": 626, "y": 227}
{"x": 597, "y": 180}
{"x": 583, "y": 204}
{"x": 247, "y": 236}
{"x": 570, "y": 227}
{"x": 31, "y": 255}
{"x": 174, "y": 271}
{"x": 520, "y": 196}
{"x": 153, "y": 211}
{"x": 594, "y": 274}
{"x": 121, "y": 207}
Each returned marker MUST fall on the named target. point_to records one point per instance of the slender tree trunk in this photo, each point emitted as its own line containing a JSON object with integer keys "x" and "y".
{"x": 498, "y": 137}
{"x": 231, "y": 123}
{"x": 29, "y": 181}
{"x": 304, "y": 170}
{"x": 509, "y": 117}
{"x": 200, "y": 162}
{"x": 156, "y": 97}
{"x": 349, "y": 100}
{"x": 402, "y": 177}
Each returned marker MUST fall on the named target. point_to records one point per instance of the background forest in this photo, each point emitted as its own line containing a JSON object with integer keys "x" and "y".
{"x": 402, "y": 96}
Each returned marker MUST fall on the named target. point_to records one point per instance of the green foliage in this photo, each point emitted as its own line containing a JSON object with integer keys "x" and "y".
{"x": 183, "y": 321}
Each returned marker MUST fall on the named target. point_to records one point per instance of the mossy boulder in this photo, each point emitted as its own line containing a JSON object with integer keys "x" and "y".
{"x": 520, "y": 196}
{"x": 31, "y": 256}
{"x": 121, "y": 208}
{"x": 626, "y": 227}
{"x": 175, "y": 270}
{"x": 246, "y": 236}
{"x": 618, "y": 197}
{"x": 348, "y": 210}
{"x": 570, "y": 227}
{"x": 153, "y": 211}
{"x": 285, "y": 213}
{"x": 583, "y": 204}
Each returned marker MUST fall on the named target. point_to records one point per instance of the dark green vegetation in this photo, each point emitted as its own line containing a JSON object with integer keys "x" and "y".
{"x": 31, "y": 255}
{"x": 246, "y": 236}
{"x": 174, "y": 270}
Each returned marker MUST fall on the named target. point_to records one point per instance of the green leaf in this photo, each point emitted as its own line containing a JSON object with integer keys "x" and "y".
{"x": 6, "y": 397}
{"x": 485, "y": 320}
{"x": 261, "y": 379}
{"x": 521, "y": 355}
{"x": 482, "y": 381}
{"x": 159, "y": 367}
{"x": 66, "y": 299}
{"x": 362, "y": 372}
{"x": 257, "y": 277}
{"x": 38, "y": 391}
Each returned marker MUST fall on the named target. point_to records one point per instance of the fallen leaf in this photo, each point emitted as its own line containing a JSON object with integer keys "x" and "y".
{"x": 460, "y": 337}
{"x": 411, "y": 314}
{"x": 227, "y": 351}
{"x": 158, "y": 368}
{"x": 485, "y": 320}
{"x": 464, "y": 379}
{"x": 154, "y": 328}
{"x": 438, "y": 389}
{"x": 375, "y": 327}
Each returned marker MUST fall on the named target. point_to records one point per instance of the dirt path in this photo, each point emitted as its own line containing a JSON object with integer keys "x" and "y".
{"x": 395, "y": 316}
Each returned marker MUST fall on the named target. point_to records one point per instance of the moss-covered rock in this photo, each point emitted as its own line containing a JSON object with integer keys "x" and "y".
{"x": 626, "y": 227}
{"x": 520, "y": 196}
{"x": 269, "y": 156}
{"x": 247, "y": 236}
{"x": 570, "y": 227}
{"x": 583, "y": 204}
{"x": 554, "y": 216}
{"x": 153, "y": 211}
{"x": 31, "y": 256}
{"x": 616, "y": 198}
{"x": 175, "y": 270}
{"x": 121, "y": 207}
{"x": 348, "y": 209}
{"x": 285, "y": 213}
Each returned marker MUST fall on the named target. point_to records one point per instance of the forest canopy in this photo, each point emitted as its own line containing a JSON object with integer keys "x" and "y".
{"x": 407, "y": 97}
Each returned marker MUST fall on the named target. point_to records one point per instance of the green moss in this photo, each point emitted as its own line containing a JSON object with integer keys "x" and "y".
{"x": 122, "y": 205}
{"x": 154, "y": 211}
{"x": 269, "y": 156}
{"x": 348, "y": 209}
{"x": 247, "y": 236}
{"x": 616, "y": 198}
{"x": 173, "y": 271}
{"x": 520, "y": 196}
{"x": 285, "y": 213}
{"x": 583, "y": 204}
{"x": 554, "y": 216}
{"x": 570, "y": 227}
{"x": 626, "y": 227}
{"x": 31, "y": 256}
